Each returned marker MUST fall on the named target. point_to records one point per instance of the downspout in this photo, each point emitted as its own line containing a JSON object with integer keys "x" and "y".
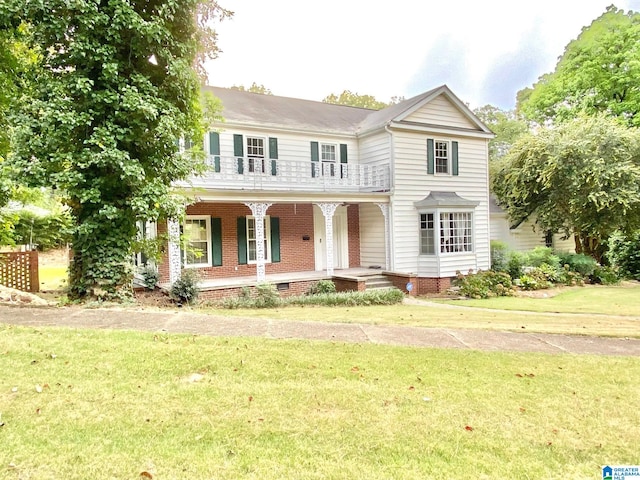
{"x": 392, "y": 179}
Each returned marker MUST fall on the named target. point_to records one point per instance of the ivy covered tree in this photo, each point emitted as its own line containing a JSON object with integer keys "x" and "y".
{"x": 599, "y": 72}
{"x": 580, "y": 178}
{"x": 115, "y": 86}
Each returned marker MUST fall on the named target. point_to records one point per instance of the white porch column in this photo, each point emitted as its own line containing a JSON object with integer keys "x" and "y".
{"x": 384, "y": 207}
{"x": 328, "y": 209}
{"x": 175, "y": 262}
{"x": 259, "y": 211}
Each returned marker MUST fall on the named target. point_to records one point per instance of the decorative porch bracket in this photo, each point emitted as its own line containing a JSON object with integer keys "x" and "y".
{"x": 175, "y": 262}
{"x": 328, "y": 209}
{"x": 259, "y": 211}
{"x": 384, "y": 207}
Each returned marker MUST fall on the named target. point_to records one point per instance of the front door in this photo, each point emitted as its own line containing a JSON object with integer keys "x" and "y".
{"x": 340, "y": 239}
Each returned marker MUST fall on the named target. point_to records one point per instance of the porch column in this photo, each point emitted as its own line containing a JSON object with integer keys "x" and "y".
{"x": 384, "y": 207}
{"x": 259, "y": 211}
{"x": 328, "y": 209}
{"x": 175, "y": 262}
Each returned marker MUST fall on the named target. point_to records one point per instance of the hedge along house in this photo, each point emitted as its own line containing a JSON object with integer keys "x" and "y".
{"x": 299, "y": 190}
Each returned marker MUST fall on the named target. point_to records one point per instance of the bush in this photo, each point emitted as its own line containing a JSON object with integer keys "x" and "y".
{"x": 484, "y": 284}
{"x": 383, "y": 296}
{"x": 266, "y": 296}
{"x": 499, "y": 256}
{"x": 605, "y": 275}
{"x": 579, "y": 262}
{"x": 515, "y": 264}
{"x": 323, "y": 286}
{"x": 150, "y": 277}
{"x": 535, "y": 279}
{"x": 185, "y": 289}
{"x": 542, "y": 255}
{"x": 624, "y": 254}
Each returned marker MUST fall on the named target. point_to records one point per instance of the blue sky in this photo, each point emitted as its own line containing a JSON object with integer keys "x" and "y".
{"x": 484, "y": 51}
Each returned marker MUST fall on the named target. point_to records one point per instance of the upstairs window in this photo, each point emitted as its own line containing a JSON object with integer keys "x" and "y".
{"x": 255, "y": 154}
{"x": 328, "y": 157}
{"x": 441, "y": 156}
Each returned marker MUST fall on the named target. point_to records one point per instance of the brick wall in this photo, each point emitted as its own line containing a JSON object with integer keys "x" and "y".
{"x": 295, "y": 288}
{"x": 353, "y": 225}
{"x": 433, "y": 285}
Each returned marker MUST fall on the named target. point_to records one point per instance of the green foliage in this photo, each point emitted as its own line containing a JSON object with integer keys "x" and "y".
{"x": 484, "y": 284}
{"x": 605, "y": 275}
{"x": 185, "y": 289}
{"x": 323, "y": 286}
{"x": 540, "y": 256}
{"x": 580, "y": 179}
{"x": 515, "y": 263}
{"x": 598, "y": 73}
{"x": 46, "y": 231}
{"x": 355, "y": 100}
{"x": 499, "y": 256}
{"x": 579, "y": 263}
{"x": 624, "y": 253}
{"x": 254, "y": 88}
{"x": 506, "y": 124}
{"x": 151, "y": 276}
{"x": 114, "y": 88}
{"x": 266, "y": 296}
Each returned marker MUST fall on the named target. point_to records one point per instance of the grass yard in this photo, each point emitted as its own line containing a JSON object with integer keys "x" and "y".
{"x": 79, "y": 404}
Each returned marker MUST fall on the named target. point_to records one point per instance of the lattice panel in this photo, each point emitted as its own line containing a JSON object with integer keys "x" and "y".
{"x": 19, "y": 270}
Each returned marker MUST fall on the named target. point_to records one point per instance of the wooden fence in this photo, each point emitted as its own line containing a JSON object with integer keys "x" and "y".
{"x": 19, "y": 270}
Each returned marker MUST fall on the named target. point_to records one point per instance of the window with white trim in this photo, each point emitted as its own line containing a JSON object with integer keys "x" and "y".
{"x": 255, "y": 154}
{"x": 328, "y": 157}
{"x": 452, "y": 231}
{"x": 441, "y": 156}
{"x": 456, "y": 232}
{"x": 427, "y": 234}
{"x": 252, "y": 244}
{"x": 197, "y": 232}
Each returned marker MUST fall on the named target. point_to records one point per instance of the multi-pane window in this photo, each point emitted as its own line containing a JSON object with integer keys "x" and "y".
{"x": 255, "y": 154}
{"x": 456, "y": 233}
{"x": 197, "y": 231}
{"x": 441, "y": 156}
{"x": 252, "y": 244}
{"x": 328, "y": 157}
{"x": 427, "y": 234}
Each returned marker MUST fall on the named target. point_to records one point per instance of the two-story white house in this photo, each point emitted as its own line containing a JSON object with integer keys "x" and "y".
{"x": 299, "y": 190}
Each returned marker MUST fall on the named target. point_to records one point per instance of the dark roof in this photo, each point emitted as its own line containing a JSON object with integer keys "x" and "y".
{"x": 445, "y": 199}
{"x": 294, "y": 113}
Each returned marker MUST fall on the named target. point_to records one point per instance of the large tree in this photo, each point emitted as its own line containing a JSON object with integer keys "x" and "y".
{"x": 506, "y": 124}
{"x": 599, "y": 72}
{"x": 580, "y": 178}
{"x": 347, "y": 97}
{"x": 115, "y": 88}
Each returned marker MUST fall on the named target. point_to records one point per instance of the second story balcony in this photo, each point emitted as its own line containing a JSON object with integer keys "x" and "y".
{"x": 262, "y": 174}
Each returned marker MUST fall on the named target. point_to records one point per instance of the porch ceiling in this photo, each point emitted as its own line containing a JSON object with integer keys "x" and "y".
{"x": 291, "y": 197}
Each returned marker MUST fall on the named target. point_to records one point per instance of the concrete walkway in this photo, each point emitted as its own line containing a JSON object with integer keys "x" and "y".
{"x": 185, "y": 321}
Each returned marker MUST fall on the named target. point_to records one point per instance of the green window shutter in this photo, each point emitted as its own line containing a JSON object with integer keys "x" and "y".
{"x": 454, "y": 158}
{"x": 242, "y": 240}
{"x": 430, "y": 157}
{"x": 343, "y": 160}
{"x": 315, "y": 157}
{"x": 273, "y": 154}
{"x": 214, "y": 149}
{"x": 216, "y": 241}
{"x": 275, "y": 239}
{"x": 238, "y": 151}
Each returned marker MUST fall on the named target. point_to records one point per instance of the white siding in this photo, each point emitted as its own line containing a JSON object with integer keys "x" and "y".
{"x": 412, "y": 183}
{"x": 372, "y": 251}
{"x": 524, "y": 237}
{"x": 376, "y": 149}
{"x": 440, "y": 111}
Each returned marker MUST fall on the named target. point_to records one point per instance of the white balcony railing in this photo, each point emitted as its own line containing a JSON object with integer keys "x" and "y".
{"x": 286, "y": 175}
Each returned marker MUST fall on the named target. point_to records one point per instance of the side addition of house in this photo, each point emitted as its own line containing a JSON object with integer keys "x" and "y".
{"x": 298, "y": 190}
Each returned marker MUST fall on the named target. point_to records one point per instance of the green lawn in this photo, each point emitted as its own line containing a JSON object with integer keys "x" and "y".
{"x": 609, "y": 300}
{"x": 80, "y": 404}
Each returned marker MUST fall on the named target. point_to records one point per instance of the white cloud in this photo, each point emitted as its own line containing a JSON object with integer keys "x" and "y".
{"x": 486, "y": 51}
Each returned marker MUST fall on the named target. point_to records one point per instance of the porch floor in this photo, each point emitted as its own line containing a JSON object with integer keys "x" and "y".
{"x": 214, "y": 283}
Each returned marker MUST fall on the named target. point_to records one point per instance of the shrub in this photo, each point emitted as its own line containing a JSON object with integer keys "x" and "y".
{"x": 499, "y": 256}
{"x": 323, "y": 286}
{"x": 536, "y": 278}
{"x": 605, "y": 275}
{"x": 185, "y": 289}
{"x": 569, "y": 277}
{"x": 150, "y": 277}
{"x": 484, "y": 284}
{"x": 515, "y": 264}
{"x": 578, "y": 262}
{"x": 383, "y": 296}
{"x": 266, "y": 296}
{"x": 624, "y": 253}
{"x": 540, "y": 255}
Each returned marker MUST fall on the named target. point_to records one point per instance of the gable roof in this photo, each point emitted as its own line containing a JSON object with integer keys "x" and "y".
{"x": 256, "y": 109}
